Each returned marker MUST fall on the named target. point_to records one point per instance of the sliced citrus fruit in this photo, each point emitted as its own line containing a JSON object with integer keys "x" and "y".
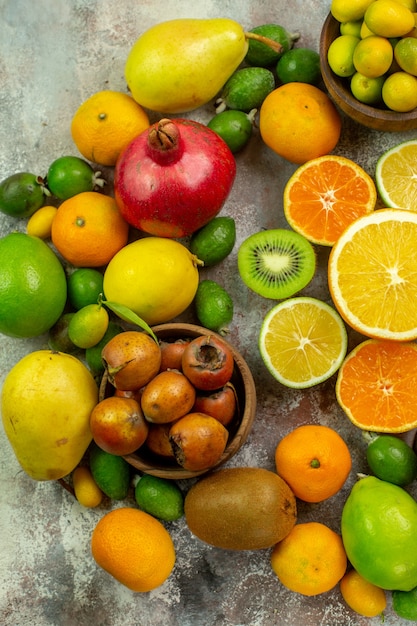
{"x": 325, "y": 195}
{"x": 302, "y": 342}
{"x": 396, "y": 178}
{"x": 372, "y": 274}
{"x": 376, "y": 386}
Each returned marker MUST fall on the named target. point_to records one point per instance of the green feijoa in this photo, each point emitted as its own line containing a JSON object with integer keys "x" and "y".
{"x": 404, "y": 604}
{"x": 234, "y": 127}
{"x": 391, "y": 459}
{"x": 213, "y": 306}
{"x": 93, "y": 354}
{"x": 159, "y": 497}
{"x": 21, "y": 194}
{"x": 259, "y": 54}
{"x": 58, "y": 338}
{"x": 111, "y": 473}
{"x": 214, "y": 242}
{"x": 246, "y": 89}
{"x": 299, "y": 65}
{"x": 70, "y": 175}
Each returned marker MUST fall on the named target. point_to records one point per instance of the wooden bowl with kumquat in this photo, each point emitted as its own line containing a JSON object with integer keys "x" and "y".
{"x": 377, "y": 118}
{"x": 146, "y": 460}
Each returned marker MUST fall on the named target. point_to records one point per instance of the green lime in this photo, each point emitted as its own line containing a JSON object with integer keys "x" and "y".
{"x": 159, "y": 497}
{"x": 70, "y": 175}
{"x": 58, "y": 335}
{"x": 110, "y": 472}
{"x": 404, "y": 604}
{"x": 391, "y": 459}
{"x": 299, "y": 65}
{"x": 214, "y": 306}
{"x": 214, "y": 242}
{"x": 340, "y": 55}
{"x": 367, "y": 90}
{"x": 93, "y": 354}
{"x": 260, "y": 54}
{"x": 33, "y": 286}
{"x": 246, "y": 89}
{"x": 88, "y": 325}
{"x": 405, "y": 53}
{"x": 234, "y": 127}
{"x": 351, "y": 28}
{"x": 85, "y": 285}
{"x": 21, "y": 194}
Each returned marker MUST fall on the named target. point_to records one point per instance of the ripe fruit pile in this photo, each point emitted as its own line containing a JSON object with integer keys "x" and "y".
{"x": 376, "y": 51}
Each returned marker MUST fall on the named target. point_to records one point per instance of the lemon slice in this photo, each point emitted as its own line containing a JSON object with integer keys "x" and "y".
{"x": 303, "y": 342}
{"x": 396, "y": 176}
{"x": 372, "y": 275}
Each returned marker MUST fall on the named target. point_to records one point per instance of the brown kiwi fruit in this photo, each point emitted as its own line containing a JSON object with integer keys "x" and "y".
{"x": 241, "y": 508}
{"x": 276, "y": 263}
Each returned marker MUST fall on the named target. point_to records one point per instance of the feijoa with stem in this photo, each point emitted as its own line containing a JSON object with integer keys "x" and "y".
{"x": 22, "y": 194}
{"x": 214, "y": 242}
{"x": 214, "y": 306}
{"x": 391, "y": 459}
{"x": 69, "y": 175}
{"x": 246, "y": 89}
{"x": 234, "y": 127}
{"x": 260, "y": 54}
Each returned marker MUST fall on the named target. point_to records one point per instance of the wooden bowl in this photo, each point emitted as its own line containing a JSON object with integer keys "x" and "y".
{"x": 339, "y": 90}
{"x": 144, "y": 461}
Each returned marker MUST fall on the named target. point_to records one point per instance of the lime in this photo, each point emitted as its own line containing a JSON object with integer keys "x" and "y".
{"x": 340, "y": 55}
{"x": 93, "y": 354}
{"x": 58, "y": 335}
{"x": 299, "y": 65}
{"x": 404, "y": 604}
{"x": 110, "y": 472}
{"x": 21, "y": 194}
{"x": 405, "y": 53}
{"x": 159, "y": 497}
{"x": 343, "y": 11}
{"x": 391, "y": 459}
{"x": 215, "y": 241}
{"x": 88, "y": 325}
{"x": 353, "y": 27}
{"x": 246, "y": 89}
{"x": 214, "y": 306}
{"x": 367, "y": 90}
{"x": 33, "y": 286}
{"x": 260, "y": 54}
{"x": 234, "y": 127}
{"x": 70, "y": 175}
{"x": 85, "y": 285}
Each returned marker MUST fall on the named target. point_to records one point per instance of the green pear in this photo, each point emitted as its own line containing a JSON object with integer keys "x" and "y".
{"x": 180, "y": 65}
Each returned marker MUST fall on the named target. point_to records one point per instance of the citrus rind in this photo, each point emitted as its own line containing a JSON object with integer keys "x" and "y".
{"x": 395, "y": 176}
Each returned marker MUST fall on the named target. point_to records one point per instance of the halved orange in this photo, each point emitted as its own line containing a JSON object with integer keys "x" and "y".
{"x": 372, "y": 275}
{"x": 376, "y": 386}
{"x": 325, "y": 195}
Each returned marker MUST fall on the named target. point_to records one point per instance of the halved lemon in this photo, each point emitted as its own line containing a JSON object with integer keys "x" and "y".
{"x": 372, "y": 275}
{"x": 302, "y": 341}
{"x": 396, "y": 176}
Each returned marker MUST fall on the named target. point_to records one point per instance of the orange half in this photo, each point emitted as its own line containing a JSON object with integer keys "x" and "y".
{"x": 325, "y": 195}
{"x": 376, "y": 386}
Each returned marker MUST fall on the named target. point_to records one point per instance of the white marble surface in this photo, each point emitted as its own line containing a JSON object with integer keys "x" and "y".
{"x": 53, "y": 55}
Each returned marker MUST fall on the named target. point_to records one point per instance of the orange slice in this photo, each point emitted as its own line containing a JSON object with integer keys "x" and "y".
{"x": 325, "y": 195}
{"x": 376, "y": 386}
{"x": 372, "y": 274}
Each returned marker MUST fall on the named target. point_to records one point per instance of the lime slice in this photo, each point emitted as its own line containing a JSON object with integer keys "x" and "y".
{"x": 302, "y": 342}
{"x": 396, "y": 176}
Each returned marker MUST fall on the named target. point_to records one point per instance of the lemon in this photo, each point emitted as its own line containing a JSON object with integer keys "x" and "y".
{"x": 399, "y": 92}
{"x": 110, "y": 472}
{"x": 88, "y": 326}
{"x": 395, "y": 176}
{"x": 405, "y": 53}
{"x": 389, "y": 18}
{"x": 340, "y": 55}
{"x": 350, "y": 11}
{"x": 33, "y": 286}
{"x": 86, "y": 489}
{"x": 40, "y": 223}
{"x": 373, "y": 56}
{"x": 46, "y": 403}
{"x": 154, "y": 277}
{"x": 159, "y": 497}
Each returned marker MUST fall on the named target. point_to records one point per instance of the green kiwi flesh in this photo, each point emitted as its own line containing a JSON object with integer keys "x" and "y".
{"x": 276, "y": 263}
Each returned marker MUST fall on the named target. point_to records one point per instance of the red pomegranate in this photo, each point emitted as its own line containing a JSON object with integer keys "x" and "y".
{"x": 173, "y": 178}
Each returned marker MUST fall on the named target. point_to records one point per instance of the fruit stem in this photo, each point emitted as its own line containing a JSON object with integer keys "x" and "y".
{"x": 274, "y": 45}
{"x": 66, "y": 486}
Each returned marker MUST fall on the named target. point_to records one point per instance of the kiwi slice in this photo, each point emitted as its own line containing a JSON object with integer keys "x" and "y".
{"x": 276, "y": 263}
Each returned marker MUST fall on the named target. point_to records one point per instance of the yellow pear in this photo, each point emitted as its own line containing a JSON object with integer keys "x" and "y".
{"x": 46, "y": 402}
{"x": 179, "y": 65}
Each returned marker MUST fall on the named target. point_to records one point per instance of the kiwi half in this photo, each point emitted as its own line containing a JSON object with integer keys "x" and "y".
{"x": 276, "y": 263}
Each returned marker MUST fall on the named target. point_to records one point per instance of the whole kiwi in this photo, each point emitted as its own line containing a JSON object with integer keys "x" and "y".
{"x": 242, "y": 508}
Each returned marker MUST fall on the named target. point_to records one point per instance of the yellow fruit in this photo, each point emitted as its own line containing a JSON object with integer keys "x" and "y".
{"x": 395, "y": 177}
{"x": 86, "y": 489}
{"x": 179, "y": 65}
{"x": 344, "y": 11}
{"x": 389, "y": 18}
{"x": 399, "y": 92}
{"x": 46, "y": 403}
{"x": 40, "y": 223}
{"x": 362, "y": 596}
{"x": 373, "y": 56}
{"x": 157, "y": 278}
